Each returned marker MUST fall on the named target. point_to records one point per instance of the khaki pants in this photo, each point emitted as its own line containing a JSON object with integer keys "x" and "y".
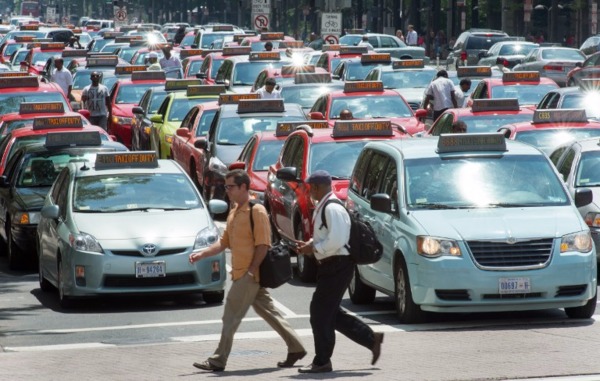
{"x": 246, "y": 292}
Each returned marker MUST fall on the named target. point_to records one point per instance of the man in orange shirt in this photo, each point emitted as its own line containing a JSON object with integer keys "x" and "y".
{"x": 248, "y": 249}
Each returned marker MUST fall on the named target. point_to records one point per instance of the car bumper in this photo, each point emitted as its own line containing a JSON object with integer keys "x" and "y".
{"x": 24, "y": 236}
{"x": 122, "y": 132}
{"x": 559, "y": 78}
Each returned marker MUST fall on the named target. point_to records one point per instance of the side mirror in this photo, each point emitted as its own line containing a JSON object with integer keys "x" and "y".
{"x": 183, "y": 132}
{"x": 421, "y": 113}
{"x": 316, "y": 115}
{"x": 505, "y": 131}
{"x": 287, "y": 174}
{"x": 4, "y": 183}
{"x": 583, "y": 197}
{"x": 237, "y": 165}
{"x": 217, "y": 206}
{"x": 50, "y": 211}
{"x": 381, "y": 202}
{"x": 156, "y": 118}
{"x": 85, "y": 113}
{"x": 137, "y": 110}
{"x": 201, "y": 143}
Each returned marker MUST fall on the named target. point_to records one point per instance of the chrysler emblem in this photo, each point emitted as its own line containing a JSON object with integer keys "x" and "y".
{"x": 149, "y": 250}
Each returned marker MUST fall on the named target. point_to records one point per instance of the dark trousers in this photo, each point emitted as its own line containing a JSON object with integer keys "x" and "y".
{"x": 436, "y": 114}
{"x": 326, "y": 316}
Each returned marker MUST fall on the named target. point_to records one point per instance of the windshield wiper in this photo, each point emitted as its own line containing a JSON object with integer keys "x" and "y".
{"x": 340, "y": 177}
{"x": 508, "y": 205}
{"x": 227, "y": 144}
{"x": 433, "y": 206}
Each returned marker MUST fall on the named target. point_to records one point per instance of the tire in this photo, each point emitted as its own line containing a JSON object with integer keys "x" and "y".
{"x": 359, "y": 292}
{"x": 15, "y": 255}
{"x": 307, "y": 265}
{"x": 44, "y": 284}
{"x": 406, "y": 309}
{"x": 64, "y": 300}
{"x": 213, "y": 297}
{"x": 584, "y": 312}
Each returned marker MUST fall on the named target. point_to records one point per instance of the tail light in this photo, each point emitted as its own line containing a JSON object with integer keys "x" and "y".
{"x": 505, "y": 63}
{"x": 463, "y": 56}
{"x": 553, "y": 68}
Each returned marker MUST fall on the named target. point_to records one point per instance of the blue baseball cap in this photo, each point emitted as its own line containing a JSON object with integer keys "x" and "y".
{"x": 319, "y": 177}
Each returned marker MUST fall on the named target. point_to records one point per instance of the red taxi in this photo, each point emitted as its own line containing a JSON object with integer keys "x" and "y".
{"x": 213, "y": 61}
{"x": 527, "y": 86}
{"x": 37, "y": 132}
{"x": 485, "y": 115}
{"x": 287, "y": 196}
{"x": 551, "y": 128}
{"x": 125, "y": 95}
{"x": 257, "y": 43}
{"x": 11, "y": 46}
{"x": 334, "y": 54}
{"x": 38, "y": 56}
{"x": 19, "y": 87}
{"x": 368, "y": 100}
{"x": 192, "y": 59}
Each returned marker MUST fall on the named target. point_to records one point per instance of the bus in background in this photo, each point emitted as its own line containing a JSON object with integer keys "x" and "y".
{"x": 30, "y": 8}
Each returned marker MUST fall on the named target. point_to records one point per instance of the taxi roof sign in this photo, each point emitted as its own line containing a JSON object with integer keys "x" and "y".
{"x": 286, "y": 128}
{"x": 102, "y": 61}
{"x": 507, "y": 104}
{"x": 118, "y": 160}
{"x": 112, "y": 35}
{"x": 222, "y": 28}
{"x": 42, "y": 40}
{"x": 127, "y": 39}
{"x": 128, "y": 69}
{"x": 23, "y": 38}
{"x": 353, "y": 49}
{"x": 181, "y": 84}
{"x": 11, "y": 74}
{"x": 563, "y": 115}
{"x": 43, "y": 123}
{"x": 265, "y": 56}
{"x": 127, "y": 28}
{"x": 158, "y": 75}
{"x": 52, "y": 45}
{"x": 474, "y": 71}
{"x": 352, "y": 128}
{"x": 363, "y": 86}
{"x": 205, "y": 90}
{"x": 29, "y": 27}
{"x": 16, "y": 81}
{"x": 185, "y": 53}
{"x": 494, "y": 141}
{"x": 355, "y": 31}
{"x": 521, "y": 76}
{"x": 292, "y": 44}
{"x": 312, "y": 78}
{"x": 266, "y": 36}
{"x": 236, "y": 50}
{"x": 260, "y": 105}
{"x": 331, "y": 47}
{"x": 74, "y": 53}
{"x": 41, "y": 107}
{"x": 73, "y": 139}
{"x": 375, "y": 57}
{"x": 239, "y": 37}
{"x": 235, "y": 98}
{"x": 292, "y": 69}
{"x": 408, "y": 64}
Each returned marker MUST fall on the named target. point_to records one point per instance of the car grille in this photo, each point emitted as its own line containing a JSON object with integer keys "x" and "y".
{"x": 453, "y": 294}
{"x": 136, "y": 253}
{"x": 523, "y": 254}
{"x": 116, "y": 281}
{"x": 574, "y": 290}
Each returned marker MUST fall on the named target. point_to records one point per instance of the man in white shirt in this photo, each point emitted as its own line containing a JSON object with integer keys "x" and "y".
{"x": 411, "y": 36}
{"x": 168, "y": 60}
{"x": 62, "y": 77}
{"x": 268, "y": 91}
{"x": 365, "y": 42}
{"x": 459, "y": 91}
{"x": 440, "y": 94}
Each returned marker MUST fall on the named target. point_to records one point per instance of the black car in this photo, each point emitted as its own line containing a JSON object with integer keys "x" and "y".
{"x": 149, "y": 105}
{"x": 470, "y": 43}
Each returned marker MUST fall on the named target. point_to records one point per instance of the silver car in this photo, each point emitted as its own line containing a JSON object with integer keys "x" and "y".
{"x": 552, "y": 62}
{"x": 127, "y": 224}
{"x": 506, "y": 53}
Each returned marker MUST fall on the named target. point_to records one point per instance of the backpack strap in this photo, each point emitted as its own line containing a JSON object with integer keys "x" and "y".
{"x": 323, "y": 220}
{"x": 251, "y": 203}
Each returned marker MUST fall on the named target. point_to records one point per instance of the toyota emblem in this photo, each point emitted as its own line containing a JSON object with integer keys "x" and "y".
{"x": 149, "y": 250}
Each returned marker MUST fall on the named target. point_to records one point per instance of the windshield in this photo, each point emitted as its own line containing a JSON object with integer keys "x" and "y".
{"x": 10, "y": 102}
{"x": 562, "y": 54}
{"x": 41, "y": 171}
{"x": 10, "y": 49}
{"x": 548, "y": 139}
{"x": 358, "y": 72}
{"x": 127, "y": 53}
{"x": 306, "y": 96}
{"x": 40, "y": 58}
{"x": 337, "y": 158}
{"x": 206, "y": 120}
{"x": 187, "y": 41}
{"x": 111, "y": 48}
{"x": 588, "y": 101}
{"x": 41, "y": 138}
{"x": 237, "y": 131}
{"x": 14, "y": 125}
{"x": 157, "y": 99}
{"x": 116, "y": 193}
{"x": 11, "y": 35}
{"x": 245, "y": 73}
{"x": 406, "y": 79}
{"x": 371, "y": 107}
{"x": 132, "y": 93}
{"x": 82, "y": 79}
{"x": 141, "y": 58}
{"x": 99, "y": 44}
{"x": 526, "y": 94}
{"x": 350, "y": 40}
{"x": 588, "y": 172}
{"x": 180, "y": 107}
{"x": 18, "y": 57}
{"x": 480, "y": 182}
{"x": 267, "y": 154}
{"x": 194, "y": 67}
{"x": 208, "y": 38}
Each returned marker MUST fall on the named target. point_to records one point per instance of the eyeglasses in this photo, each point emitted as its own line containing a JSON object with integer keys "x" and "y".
{"x": 230, "y": 186}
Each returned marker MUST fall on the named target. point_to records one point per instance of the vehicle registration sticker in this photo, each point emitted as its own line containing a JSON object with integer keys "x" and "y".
{"x": 514, "y": 285}
{"x": 150, "y": 269}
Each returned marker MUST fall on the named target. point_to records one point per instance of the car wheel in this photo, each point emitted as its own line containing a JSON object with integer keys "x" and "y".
{"x": 307, "y": 265}
{"x": 15, "y": 255}
{"x": 584, "y": 312}
{"x": 44, "y": 284}
{"x": 194, "y": 176}
{"x": 64, "y": 300}
{"x": 213, "y": 297}
{"x": 359, "y": 292}
{"x": 408, "y": 312}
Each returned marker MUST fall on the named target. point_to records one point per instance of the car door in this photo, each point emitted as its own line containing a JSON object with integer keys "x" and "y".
{"x": 51, "y": 230}
{"x": 180, "y": 152}
{"x": 7, "y": 191}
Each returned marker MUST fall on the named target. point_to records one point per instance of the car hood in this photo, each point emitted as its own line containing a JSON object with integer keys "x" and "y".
{"x": 412, "y": 124}
{"x": 31, "y": 198}
{"x": 228, "y": 154}
{"x": 412, "y": 94}
{"x": 500, "y": 223}
{"x": 124, "y": 109}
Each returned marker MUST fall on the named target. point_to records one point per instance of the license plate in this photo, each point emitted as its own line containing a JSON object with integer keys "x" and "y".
{"x": 514, "y": 285}
{"x": 150, "y": 269}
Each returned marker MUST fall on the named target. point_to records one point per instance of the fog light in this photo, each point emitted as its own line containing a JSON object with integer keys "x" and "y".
{"x": 80, "y": 275}
{"x": 216, "y": 271}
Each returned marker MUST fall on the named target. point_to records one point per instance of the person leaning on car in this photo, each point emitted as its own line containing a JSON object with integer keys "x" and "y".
{"x": 440, "y": 94}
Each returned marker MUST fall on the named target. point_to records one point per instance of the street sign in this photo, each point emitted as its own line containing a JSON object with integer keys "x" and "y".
{"x": 260, "y": 21}
{"x": 120, "y": 16}
{"x": 331, "y": 39}
{"x": 262, "y": 7}
{"x": 331, "y": 24}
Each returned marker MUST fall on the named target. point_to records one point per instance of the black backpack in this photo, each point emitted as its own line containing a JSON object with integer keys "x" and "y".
{"x": 364, "y": 247}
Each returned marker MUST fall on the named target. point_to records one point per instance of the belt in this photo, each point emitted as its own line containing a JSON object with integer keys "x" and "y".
{"x": 332, "y": 258}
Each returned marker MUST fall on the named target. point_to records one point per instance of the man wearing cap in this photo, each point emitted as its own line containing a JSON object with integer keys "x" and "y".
{"x": 169, "y": 60}
{"x": 440, "y": 93}
{"x": 96, "y": 99}
{"x": 268, "y": 46}
{"x": 268, "y": 91}
{"x": 62, "y": 77}
{"x": 153, "y": 61}
{"x": 335, "y": 271}
{"x": 364, "y": 41}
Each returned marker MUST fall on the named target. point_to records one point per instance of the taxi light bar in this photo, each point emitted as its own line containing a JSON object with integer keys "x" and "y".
{"x": 23, "y": 38}
{"x": 113, "y": 160}
{"x": 127, "y": 28}
{"x": 33, "y": 45}
{"x": 331, "y": 47}
{"x": 76, "y": 30}
{"x": 235, "y": 98}
{"x": 208, "y": 51}
{"x": 18, "y": 81}
{"x": 238, "y": 38}
{"x": 128, "y": 69}
{"x": 267, "y": 36}
{"x": 57, "y": 122}
{"x": 102, "y": 61}
{"x": 73, "y": 139}
{"x": 408, "y": 64}
{"x": 473, "y": 71}
{"x": 112, "y": 35}
{"x": 52, "y": 45}
{"x": 312, "y": 78}
{"x": 292, "y": 69}
{"x": 205, "y": 90}
{"x": 363, "y": 86}
{"x": 376, "y": 57}
{"x": 353, "y": 49}
{"x": 508, "y": 104}
{"x": 185, "y": 53}
{"x": 265, "y": 56}
{"x": 134, "y": 43}
{"x": 286, "y": 128}
{"x": 74, "y": 53}
{"x": 494, "y": 141}
{"x": 521, "y": 76}
{"x": 222, "y": 28}
{"x": 181, "y": 84}
{"x": 355, "y": 31}
{"x": 291, "y": 44}
{"x": 12, "y": 74}
{"x": 29, "y": 27}
{"x": 158, "y": 75}
{"x": 560, "y": 116}
{"x": 41, "y": 107}
{"x": 260, "y": 105}
{"x": 127, "y": 39}
{"x": 236, "y": 50}
{"x": 352, "y": 128}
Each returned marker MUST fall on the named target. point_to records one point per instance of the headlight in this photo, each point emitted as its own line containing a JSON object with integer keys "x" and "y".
{"x": 581, "y": 241}
{"x": 147, "y": 130}
{"x": 436, "y": 247}
{"x": 26, "y": 218}
{"x": 206, "y": 237}
{"x": 84, "y": 242}
{"x": 217, "y": 166}
{"x": 592, "y": 219}
{"x": 255, "y": 195}
{"x": 121, "y": 120}
{"x": 169, "y": 139}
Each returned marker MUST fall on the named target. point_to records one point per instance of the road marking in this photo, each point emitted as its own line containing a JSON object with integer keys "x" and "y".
{"x": 58, "y": 347}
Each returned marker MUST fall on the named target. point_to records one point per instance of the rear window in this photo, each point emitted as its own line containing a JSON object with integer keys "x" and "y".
{"x": 483, "y": 42}
{"x": 562, "y": 54}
